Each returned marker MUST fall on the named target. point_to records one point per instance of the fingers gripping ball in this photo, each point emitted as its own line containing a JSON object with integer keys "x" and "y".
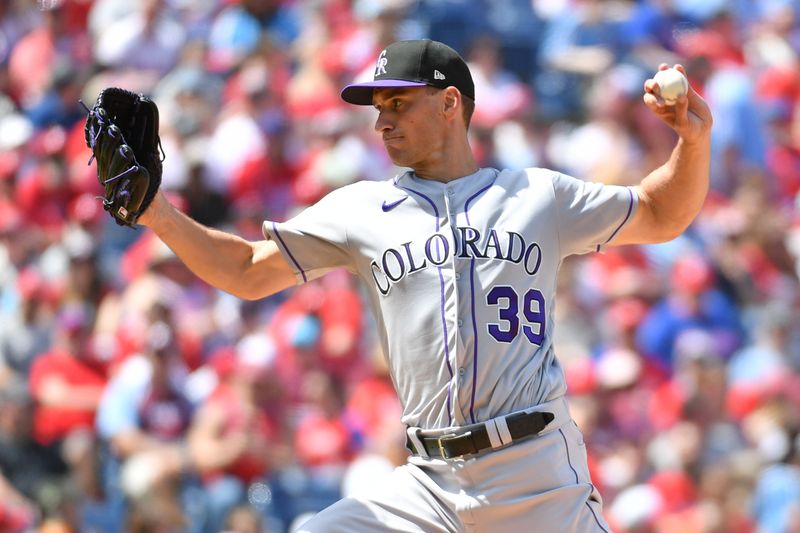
{"x": 122, "y": 132}
{"x": 672, "y": 84}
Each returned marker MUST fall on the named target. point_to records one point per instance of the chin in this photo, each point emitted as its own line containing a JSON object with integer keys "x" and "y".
{"x": 398, "y": 159}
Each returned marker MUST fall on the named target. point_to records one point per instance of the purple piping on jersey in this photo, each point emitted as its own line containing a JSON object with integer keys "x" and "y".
{"x": 466, "y": 204}
{"x": 594, "y": 514}
{"x": 627, "y": 216}
{"x": 474, "y": 336}
{"x": 569, "y": 461}
{"x": 472, "y": 303}
{"x": 444, "y": 318}
{"x": 577, "y": 480}
{"x": 288, "y": 251}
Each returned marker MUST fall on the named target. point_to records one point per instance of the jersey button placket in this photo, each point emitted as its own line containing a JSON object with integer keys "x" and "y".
{"x": 452, "y": 318}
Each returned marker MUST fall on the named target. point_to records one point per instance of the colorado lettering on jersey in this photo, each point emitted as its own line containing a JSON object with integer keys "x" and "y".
{"x": 394, "y": 264}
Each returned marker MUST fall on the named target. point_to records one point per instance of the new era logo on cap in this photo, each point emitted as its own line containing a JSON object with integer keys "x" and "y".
{"x": 414, "y": 64}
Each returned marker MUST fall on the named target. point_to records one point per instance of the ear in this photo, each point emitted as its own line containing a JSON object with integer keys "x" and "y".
{"x": 451, "y": 101}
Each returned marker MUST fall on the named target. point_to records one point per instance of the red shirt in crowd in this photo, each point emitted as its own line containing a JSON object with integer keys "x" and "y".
{"x": 250, "y": 465}
{"x": 52, "y": 422}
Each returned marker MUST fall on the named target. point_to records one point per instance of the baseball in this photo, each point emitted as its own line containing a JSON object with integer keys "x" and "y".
{"x": 672, "y": 83}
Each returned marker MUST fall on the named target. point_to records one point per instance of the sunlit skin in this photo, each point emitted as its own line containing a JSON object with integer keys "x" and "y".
{"x": 423, "y": 129}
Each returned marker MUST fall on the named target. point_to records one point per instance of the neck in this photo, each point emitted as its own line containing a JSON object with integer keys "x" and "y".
{"x": 454, "y": 161}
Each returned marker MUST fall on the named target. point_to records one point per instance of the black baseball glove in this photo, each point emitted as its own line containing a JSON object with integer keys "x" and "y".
{"x": 122, "y": 131}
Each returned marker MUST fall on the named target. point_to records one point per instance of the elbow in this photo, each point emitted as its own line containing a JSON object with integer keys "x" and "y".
{"x": 244, "y": 293}
{"x": 673, "y": 232}
{"x": 236, "y": 288}
{"x": 251, "y": 290}
{"x": 251, "y": 296}
{"x": 247, "y": 282}
{"x": 669, "y": 230}
{"x": 668, "y": 224}
{"x": 264, "y": 274}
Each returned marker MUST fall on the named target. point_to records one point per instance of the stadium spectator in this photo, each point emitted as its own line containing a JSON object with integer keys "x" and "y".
{"x": 27, "y": 468}
{"x": 143, "y": 418}
{"x": 67, "y": 381}
{"x": 692, "y": 302}
{"x": 233, "y": 440}
{"x": 682, "y": 359}
{"x": 147, "y": 38}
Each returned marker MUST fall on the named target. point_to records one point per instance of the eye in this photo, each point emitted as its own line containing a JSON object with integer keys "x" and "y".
{"x": 392, "y": 104}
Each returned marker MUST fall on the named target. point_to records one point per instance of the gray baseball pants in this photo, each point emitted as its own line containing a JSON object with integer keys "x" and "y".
{"x": 540, "y": 485}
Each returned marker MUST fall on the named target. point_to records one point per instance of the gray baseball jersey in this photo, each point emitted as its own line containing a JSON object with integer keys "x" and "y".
{"x": 461, "y": 278}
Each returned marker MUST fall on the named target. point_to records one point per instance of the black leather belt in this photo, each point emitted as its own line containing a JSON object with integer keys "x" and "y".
{"x": 468, "y": 440}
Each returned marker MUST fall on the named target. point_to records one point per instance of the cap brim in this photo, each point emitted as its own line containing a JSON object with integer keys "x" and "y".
{"x": 361, "y": 93}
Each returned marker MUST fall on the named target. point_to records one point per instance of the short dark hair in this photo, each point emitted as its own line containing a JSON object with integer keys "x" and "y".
{"x": 467, "y": 109}
{"x": 467, "y": 105}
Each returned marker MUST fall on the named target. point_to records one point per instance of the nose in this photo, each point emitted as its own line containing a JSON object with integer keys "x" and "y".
{"x": 383, "y": 124}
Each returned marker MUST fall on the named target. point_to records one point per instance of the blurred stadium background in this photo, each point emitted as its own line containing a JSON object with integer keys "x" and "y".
{"x": 135, "y": 398}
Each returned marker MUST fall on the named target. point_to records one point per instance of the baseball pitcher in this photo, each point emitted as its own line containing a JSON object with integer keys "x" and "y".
{"x": 460, "y": 263}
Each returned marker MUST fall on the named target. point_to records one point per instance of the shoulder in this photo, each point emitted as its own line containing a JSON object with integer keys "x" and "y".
{"x": 370, "y": 187}
{"x": 558, "y": 183}
{"x": 355, "y": 193}
{"x": 534, "y": 179}
{"x": 531, "y": 174}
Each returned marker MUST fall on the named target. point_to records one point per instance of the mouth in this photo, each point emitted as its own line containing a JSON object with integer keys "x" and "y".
{"x": 392, "y": 139}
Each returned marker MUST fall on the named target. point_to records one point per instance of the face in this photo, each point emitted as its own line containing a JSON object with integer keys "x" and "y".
{"x": 411, "y": 122}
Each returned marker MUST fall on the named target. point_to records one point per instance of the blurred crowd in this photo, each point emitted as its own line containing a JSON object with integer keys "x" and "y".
{"x": 133, "y": 397}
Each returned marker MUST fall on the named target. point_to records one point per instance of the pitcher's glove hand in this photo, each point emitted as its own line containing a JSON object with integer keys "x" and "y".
{"x": 122, "y": 131}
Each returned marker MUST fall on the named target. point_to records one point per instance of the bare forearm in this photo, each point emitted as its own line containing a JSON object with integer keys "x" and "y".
{"x": 221, "y": 259}
{"x": 56, "y": 391}
{"x": 216, "y": 257}
{"x": 677, "y": 189}
{"x": 209, "y": 453}
{"x": 672, "y": 195}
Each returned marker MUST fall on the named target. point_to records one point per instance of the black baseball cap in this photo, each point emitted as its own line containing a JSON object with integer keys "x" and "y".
{"x": 414, "y": 64}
